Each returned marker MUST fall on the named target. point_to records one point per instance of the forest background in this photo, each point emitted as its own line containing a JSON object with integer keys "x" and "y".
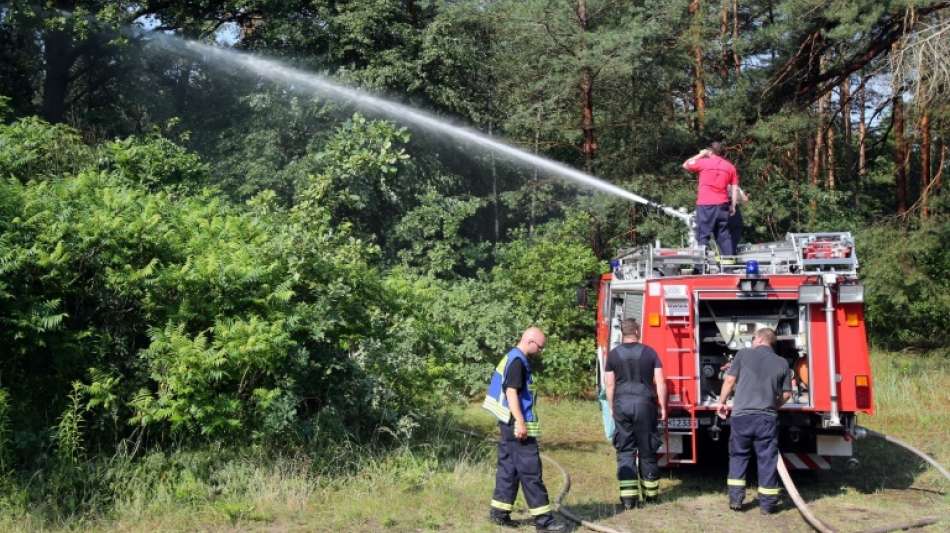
{"x": 192, "y": 257}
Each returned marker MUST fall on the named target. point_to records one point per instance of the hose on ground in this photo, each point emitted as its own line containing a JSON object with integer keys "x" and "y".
{"x": 822, "y": 527}
{"x": 790, "y": 487}
{"x": 561, "y": 508}
{"x": 809, "y": 517}
{"x": 558, "y": 502}
{"x": 909, "y": 448}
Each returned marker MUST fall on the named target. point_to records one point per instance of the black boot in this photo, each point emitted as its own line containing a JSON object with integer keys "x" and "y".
{"x": 546, "y": 523}
{"x": 501, "y": 518}
{"x": 735, "y": 505}
{"x": 628, "y": 503}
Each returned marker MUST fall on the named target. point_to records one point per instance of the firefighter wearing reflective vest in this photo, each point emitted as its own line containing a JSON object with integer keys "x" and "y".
{"x": 763, "y": 382}
{"x": 511, "y": 400}
{"x": 635, "y": 386}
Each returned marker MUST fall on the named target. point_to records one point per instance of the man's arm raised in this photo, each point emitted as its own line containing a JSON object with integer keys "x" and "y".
{"x": 688, "y": 164}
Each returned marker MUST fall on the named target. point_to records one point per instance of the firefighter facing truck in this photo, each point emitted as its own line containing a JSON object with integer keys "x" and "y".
{"x": 635, "y": 388}
{"x": 763, "y": 382}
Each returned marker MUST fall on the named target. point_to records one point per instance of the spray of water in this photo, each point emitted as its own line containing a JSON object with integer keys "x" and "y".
{"x": 298, "y": 79}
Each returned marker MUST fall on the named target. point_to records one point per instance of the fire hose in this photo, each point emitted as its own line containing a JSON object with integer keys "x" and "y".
{"x": 809, "y": 517}
{"x": 561, "y": 508}
{"x": 559, "y": 501}
{"x": 822, "y": 527}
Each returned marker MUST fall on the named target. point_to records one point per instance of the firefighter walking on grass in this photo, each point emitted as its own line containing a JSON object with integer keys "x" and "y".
{"x": 635, "y": 386}
{"x": 763, "y": 382}
{"x": 511, "y": 400}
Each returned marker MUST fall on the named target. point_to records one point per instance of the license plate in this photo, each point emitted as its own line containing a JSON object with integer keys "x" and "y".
{"x": 681, "y": 423}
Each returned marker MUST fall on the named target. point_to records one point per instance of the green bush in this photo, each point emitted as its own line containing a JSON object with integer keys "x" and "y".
{"x": 906, "y": 273}
{"x": 180, "y": 317}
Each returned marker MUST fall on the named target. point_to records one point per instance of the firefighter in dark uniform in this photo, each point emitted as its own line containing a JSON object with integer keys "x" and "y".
{"x": 512, "y": 401}
{"x": 763, "y": 382}
{"x": 635, "y": 386}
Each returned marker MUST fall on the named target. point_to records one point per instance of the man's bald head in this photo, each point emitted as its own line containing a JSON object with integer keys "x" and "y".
{"x": 532, "y": 341}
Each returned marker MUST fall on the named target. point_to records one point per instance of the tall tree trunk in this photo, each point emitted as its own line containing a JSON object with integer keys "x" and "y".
{"x": 536, "y": 178}
{"x": 862, "y": 135}
{"x": 818, "y": 154}
{"x": 496, "y": 225}
{"x": 737, "y": 61}
{"x": 819, "y": 146}
{"x": 587, "y": 96}
{"x": 925, "y": 165}
{"x": 413, "y": 12}
{"x": 587, "y": 118}
{"x": 846, "y": 111}
{"x": 900, "y": 152}
{"x": 57, "y": 54}
{"x": 699, "y": 83}
{"x": 723, "y": 31}
{"x": 830, "y": 151}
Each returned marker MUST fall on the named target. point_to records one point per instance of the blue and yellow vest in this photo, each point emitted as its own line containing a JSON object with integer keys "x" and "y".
{"x": 496, "y": 402}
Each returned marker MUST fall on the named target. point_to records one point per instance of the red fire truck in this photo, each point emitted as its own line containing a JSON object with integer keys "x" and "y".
{"x": 697, "y": 309}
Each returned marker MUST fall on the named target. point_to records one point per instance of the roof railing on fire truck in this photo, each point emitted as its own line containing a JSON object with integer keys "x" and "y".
{"x": 817, "y": 253}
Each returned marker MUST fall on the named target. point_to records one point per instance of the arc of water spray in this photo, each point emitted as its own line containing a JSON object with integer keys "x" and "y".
{"x": 276, "y": 71}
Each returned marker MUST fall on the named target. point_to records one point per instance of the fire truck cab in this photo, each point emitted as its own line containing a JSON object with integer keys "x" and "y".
{"x": 697, "y": 309}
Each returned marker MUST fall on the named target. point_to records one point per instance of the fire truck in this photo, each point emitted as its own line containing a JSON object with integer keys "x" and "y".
{"x": 697, "y": 309}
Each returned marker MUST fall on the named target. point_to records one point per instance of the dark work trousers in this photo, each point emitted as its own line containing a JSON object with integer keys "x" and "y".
{"x": 735, "y": 228}
{"x": 757, "y": 432}
{"x": 713, "y": 221}
{"x": 519, "y": 461}
{"x": 636, "y": 432}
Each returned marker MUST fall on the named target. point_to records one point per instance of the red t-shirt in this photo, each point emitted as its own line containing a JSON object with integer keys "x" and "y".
{"x": 715, "y": 174}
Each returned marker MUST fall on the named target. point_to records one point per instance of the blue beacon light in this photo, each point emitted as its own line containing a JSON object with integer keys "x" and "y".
{"x": 752, "y": 267}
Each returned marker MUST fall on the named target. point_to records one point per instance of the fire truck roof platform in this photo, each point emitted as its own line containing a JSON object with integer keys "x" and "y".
{"x": 799, "y": 253}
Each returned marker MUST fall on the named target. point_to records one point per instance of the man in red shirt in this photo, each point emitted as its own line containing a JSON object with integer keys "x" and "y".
{"x": 714, "y": 204}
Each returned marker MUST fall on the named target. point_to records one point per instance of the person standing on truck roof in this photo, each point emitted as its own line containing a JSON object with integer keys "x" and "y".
{"x": 763, "y": 382}
{"x": 735, "y": 220}
{"x": 511, "y": 400}
{"x": 714, "y": 204}
{"x": 635, "y": 386}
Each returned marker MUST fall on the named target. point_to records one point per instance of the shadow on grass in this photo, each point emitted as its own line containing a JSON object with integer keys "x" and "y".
{"x": 881, "y": 465}
{"x": 595, "y": 511}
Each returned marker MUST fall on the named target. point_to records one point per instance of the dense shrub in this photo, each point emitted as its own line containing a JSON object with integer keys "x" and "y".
{"x": 150, "y": 312}
{"x": 907, "y": 277}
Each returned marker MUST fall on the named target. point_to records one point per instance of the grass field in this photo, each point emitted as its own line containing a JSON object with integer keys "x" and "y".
{"x": 442, "y": 481}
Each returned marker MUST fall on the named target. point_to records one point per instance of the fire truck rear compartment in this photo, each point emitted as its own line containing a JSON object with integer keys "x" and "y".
{"x": 726, "y": 326}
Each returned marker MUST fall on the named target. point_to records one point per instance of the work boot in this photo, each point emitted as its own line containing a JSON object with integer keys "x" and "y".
{"x": 767, "y": 510}
{"x": 735, "y": 505}
{"x": 500, "y": 518}
{"x": 546, "y": 523}
{"x": 628, "y": 503}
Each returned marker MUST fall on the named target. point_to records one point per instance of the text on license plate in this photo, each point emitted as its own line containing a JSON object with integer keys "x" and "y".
{"x": 681, "y": 423}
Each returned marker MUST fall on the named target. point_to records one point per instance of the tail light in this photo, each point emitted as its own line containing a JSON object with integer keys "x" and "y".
{"x": 851, "y": 317}
{"x": 862, "y": 392}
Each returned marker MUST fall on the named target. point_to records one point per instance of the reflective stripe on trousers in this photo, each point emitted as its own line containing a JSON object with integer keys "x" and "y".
{"x": 519, "y": 463}
{"x": 758, "y": 433}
